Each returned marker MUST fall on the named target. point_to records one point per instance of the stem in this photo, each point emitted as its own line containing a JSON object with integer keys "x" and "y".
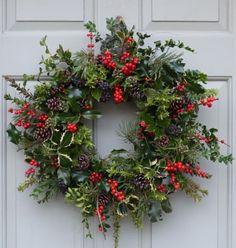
{"x": 100, "y": 221}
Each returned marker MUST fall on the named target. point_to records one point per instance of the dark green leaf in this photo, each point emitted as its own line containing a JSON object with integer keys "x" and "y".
{"x": 166, "y": 206}
{"x": 96, "y": 94}
{"x": 92, "y": 114}
{"x": 66, "y": 139}
{"x": 154, "y": 211}
{"x": 14, "y": 134}
{"x": 64, "y": 159}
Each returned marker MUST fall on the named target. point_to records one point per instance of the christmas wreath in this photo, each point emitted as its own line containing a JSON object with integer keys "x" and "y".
{"x": 168, "y": 140}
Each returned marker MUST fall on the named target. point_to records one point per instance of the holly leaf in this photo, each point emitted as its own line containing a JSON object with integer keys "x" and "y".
{"x": 56, "y": 137}
{"x": 166, "y": 206}
{"x": 154, "y": 211}
{"x": 92, "y": 114}
{"x": 66, "y": 139}
{"x": 96, "y": 94}
{"x": 115, "y": 152}
{"x": 122, "y": 209}
{"x": 79, "y": 176}
{"x": 64, "y": 159}
{"x": 75, "y": 93}
{"x": 74, "y": 105}
{"x": 64, "y": 175}
{"x": 14, "y": 134}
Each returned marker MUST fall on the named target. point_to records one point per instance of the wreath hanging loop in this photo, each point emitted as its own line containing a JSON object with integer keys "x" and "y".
{"x": 168, "y": 140}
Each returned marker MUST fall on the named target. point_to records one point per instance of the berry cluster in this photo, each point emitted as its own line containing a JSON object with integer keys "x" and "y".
{"x": 71, "y": 127}
{"x": 99, "y": 212}
{"x": 90, "y": 35}
{"x": 119, "y": 195}
{"x": 200, "y": 137}
{"x": 30, "y": 171}
{"x": 142, "y": 129}
{"x": 125, "y": 55}
{"x": 23, "y": 123}
{"x": 181, "y": 167}
{"x": 33, "y": 162}
{"x": 130, "y": 40}
{"x": 161, "y": 188}
{"x": 208, "y": 101}
{"x": 181, "y": 87}
{"x": 87, "y": 107}
{"x": 31, "y": 113}
{"x": 107, "y": 60}
{"x": 95, "y": 177}
{"x": 129, "y": 67}
{"x": 42, "y": 118}
{"x": 118, "y": 94}
{"x": 190, "y": 107}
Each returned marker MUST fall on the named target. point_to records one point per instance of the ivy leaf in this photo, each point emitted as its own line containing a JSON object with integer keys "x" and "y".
{"x": 96, "y": 94}
{"x": 66, "y": 139}
{"x": 154, "y": 211}
{"x": 64, "y": 175}
{"x": 92, "y": 114}
{"x": 64, "y": 159}
{"x": 166, "y": 206}
{"x": 14, "y": 134}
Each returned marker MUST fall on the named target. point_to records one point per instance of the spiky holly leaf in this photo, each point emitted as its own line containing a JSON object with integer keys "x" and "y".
{"x": 66, "y": 139}
{"x": 154, "y": 211}
{"x": 64, "y": 159}
{"x": 14, "y": 134}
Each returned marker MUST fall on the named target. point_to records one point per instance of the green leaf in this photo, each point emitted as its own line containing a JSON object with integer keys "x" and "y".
{"x": 166, "y": 206}
{"x": 92, "y": 114}
{"x": 63, "y": 174}
{"x": 122, "y": 209}
{"x": 96, "y": 94}
{"x": 75, "y": 93}
{"x": 64, "y": 159}
{"x": 66, "y": 139}
{"x": 118, "y": 151}
{"x": 14, "y": 134}
{"x": 74, "y": 105}
{"x": 79, "y": 176}
{"x": 56, "y": 137}
{"x": 154, "y": 211}
{"x": 104, "y": 186}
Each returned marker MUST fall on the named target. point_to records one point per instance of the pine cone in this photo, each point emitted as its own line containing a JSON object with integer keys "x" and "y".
{"x": 136, "y": 92}
{"x": 55, "y": 162}
{"x": 163, "y": 141}
{"x": 54, "y": 104}
{"x": 103, "y": 199}
{"x": 173, "y": 130}
{"x": 141, "y": 182}
{"x": 84, "y": 162}
{"x": 177, "y": 104}
{"x": 106, "y": 94}
{"x": 57, "y": 89}
{"x": 41, "y": 134}
{"x": 62, "y": 186}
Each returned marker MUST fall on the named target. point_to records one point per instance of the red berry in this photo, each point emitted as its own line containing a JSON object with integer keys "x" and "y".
{"x": 71, "y": 127}
{"x": 10, "y": 110}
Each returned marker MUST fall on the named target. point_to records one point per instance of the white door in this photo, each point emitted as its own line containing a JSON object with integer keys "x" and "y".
{"x": 206, "y": 25}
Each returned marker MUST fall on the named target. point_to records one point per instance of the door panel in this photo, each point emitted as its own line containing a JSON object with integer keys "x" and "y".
{"x": 204, "y": 25}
